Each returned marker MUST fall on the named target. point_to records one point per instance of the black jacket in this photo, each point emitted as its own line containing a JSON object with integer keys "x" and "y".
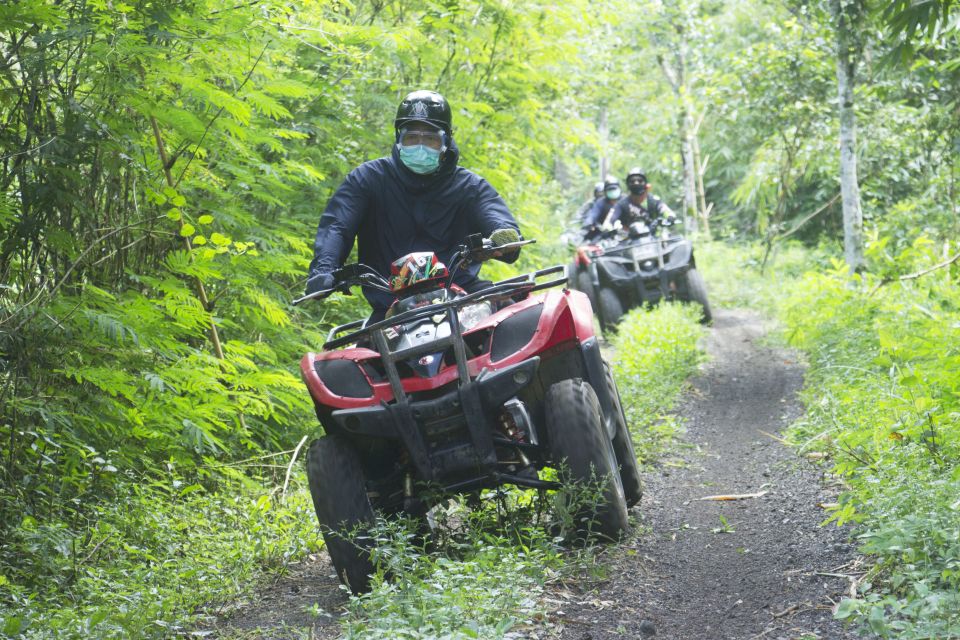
{"x": 392, "y": 211}
{"x": 651, "y": 208}
{"x": 602, "y": 207}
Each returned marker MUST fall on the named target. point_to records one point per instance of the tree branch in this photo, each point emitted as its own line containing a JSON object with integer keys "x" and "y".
{"x": 212, "y": 120}
{"x": 914, "y": 276}
{"x": 810, "y": 217}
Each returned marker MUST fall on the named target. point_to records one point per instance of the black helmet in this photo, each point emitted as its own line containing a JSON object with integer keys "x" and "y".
{"x": 636, "y": 171}
{"x": 425, "y": 106}
{"x": 598, "y": 190}
{"x": 610, "y": 182}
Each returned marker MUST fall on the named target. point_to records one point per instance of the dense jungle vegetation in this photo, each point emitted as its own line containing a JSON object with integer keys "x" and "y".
{"x": 163, "y": 166}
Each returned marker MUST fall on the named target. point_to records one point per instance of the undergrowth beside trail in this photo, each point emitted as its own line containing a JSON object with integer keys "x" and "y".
{"x": 655, "y": 352}
{"x": 149, "y": 559}
{"x": 883, "y": 400}
{"x": 882, "y": 395}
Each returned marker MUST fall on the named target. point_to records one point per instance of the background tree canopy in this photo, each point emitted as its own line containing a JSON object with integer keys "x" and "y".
{"x": 164, "y": 163}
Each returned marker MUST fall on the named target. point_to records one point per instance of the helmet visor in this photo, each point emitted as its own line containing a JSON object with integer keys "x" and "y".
{"x": 413, "y": 138}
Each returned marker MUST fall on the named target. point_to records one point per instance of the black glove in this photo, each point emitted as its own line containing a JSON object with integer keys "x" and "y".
{"x": 320, "y": 282}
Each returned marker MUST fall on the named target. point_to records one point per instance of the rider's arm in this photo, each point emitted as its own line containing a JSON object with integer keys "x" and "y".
{"x": 615, "y": 214}
{"x": 596, "y": 215}
{"x": 490, "y": 214}
{"x": 338, "y": 229}
{"x": 664, "y": 211}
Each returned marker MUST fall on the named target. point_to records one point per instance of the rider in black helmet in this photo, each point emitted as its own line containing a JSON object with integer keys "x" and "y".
{"x": 416, "y": 199}
{"x": 639, "y": 205}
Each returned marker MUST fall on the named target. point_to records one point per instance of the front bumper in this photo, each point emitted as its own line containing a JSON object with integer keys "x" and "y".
{"x": 450, "y": 434}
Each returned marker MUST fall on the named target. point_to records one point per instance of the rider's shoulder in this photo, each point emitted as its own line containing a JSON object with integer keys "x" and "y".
{"x": 466, "y": 178}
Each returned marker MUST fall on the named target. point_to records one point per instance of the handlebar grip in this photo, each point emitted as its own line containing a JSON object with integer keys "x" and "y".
{"x": 323, "y": 293}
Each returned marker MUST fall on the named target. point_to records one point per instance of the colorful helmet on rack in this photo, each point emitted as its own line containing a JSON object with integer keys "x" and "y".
{"x": 416, "y": 269}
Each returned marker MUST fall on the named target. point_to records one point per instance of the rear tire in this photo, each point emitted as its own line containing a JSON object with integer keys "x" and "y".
{"x": 580, "y": 446}
{"x": 339, "y": 492}
{"x": 698, "y": 293}
{"x": 623, "y": 446}
{"x": 611, "y": 309}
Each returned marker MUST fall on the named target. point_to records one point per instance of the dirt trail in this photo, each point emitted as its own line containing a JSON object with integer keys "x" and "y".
{"x": 711, "y": 570}
{"x": 756, "y": 573}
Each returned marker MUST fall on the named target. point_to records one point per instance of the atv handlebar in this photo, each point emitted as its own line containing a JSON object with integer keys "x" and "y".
{"x": 503, "y": 289}
{"x": 475, "y": 249}
{"x": 348, "y": 276}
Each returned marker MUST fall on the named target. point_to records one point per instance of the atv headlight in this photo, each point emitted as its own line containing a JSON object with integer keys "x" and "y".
{"x": 471, "y": 315}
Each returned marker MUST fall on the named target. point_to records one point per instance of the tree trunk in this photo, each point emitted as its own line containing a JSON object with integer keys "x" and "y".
{"x": 847, "y": 55}
{"x": 677, "y": 77}
{"x": 700, "y": 168}
{"x": 689, "y": 172}
{"x": 604, "y": 144}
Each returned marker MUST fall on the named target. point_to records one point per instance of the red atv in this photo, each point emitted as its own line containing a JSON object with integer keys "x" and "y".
{"x": 457, "y": 392}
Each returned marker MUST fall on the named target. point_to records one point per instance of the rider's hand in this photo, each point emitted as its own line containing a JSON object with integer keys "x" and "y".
{"x": 501, "y": 237}
{"x": 320, "y": 282}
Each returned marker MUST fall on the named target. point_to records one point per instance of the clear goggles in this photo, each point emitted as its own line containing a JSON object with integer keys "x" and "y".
{"x": 429, "y": 139}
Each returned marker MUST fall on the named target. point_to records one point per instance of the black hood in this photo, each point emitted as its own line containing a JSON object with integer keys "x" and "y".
{"x": 416, "y": 183}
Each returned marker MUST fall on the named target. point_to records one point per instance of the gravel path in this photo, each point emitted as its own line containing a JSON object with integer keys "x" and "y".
{"x": 700, "y": 570}
{"x": 726, "y": 570}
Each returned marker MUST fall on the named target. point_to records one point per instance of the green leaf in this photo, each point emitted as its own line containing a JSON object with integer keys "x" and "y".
{"x": 187, "y": 230}
{"x": 174, "y": 214}
{"x": 205, "y": 219}
{"x": 219, "y": 239}
{"x": 846, "y": 608}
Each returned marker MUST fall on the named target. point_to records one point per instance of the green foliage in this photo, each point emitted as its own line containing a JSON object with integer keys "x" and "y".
{"x": 655, "y": 353}
{"x": 882, "y": 398}
{"x": 132, "y": 570}
{"x": 477, "y": 584}
{"x": 737, "y": 280}
{"x": 485, "y": 571}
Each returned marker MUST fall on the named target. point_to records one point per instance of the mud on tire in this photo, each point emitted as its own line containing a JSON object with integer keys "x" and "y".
{"x": 580, "y": 447}
{"x": 338, "y": 488}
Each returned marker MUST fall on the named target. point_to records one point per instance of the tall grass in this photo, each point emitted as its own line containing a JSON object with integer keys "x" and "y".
{"x": 655, "y": 352}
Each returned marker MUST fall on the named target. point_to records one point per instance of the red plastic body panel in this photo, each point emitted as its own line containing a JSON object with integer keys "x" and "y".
{"x": 566, "y": 321}
{"x": 584, "y": 253}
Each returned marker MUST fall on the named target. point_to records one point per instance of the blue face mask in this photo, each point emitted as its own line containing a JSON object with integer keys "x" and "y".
{"x": 420, "y": 158}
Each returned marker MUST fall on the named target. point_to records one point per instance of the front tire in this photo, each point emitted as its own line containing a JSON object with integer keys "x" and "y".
{"x": 339, "y": 492}
{"x": 585, "y": 284}
{"x": 623, "y": 446}
{"x": 698, "y": 293}
{"x": 611, "y": 309}
{"x": 580, "y": 445}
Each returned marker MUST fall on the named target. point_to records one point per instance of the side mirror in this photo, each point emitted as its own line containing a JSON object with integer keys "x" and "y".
{"x": 474, "y": 241}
